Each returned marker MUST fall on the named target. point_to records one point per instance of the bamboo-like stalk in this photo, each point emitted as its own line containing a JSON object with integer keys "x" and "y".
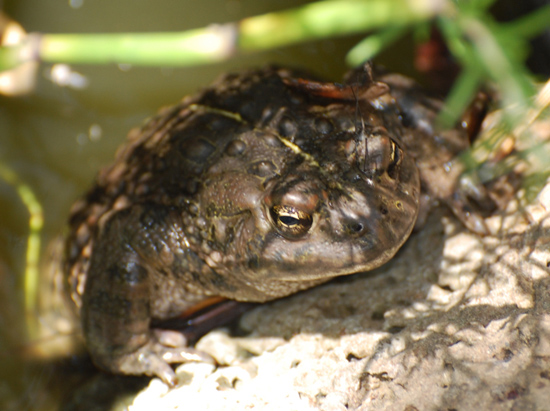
{"x": 214, "y": 43}
{"x": 192, "y": 47}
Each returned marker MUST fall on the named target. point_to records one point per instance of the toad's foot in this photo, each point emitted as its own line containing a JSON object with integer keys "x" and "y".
{"x": 154, "y": 359}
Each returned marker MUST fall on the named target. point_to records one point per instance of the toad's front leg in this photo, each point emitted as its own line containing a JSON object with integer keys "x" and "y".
{"x": 117, "y": 307}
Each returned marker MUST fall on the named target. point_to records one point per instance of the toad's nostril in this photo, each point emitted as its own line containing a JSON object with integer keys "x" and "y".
{"x": 355, "y": 227}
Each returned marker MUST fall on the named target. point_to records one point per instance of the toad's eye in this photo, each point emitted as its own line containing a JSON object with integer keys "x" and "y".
{"x": 396, "y": 157}
{"x": 384, "y": 155}
{"x": 290, "y": 221}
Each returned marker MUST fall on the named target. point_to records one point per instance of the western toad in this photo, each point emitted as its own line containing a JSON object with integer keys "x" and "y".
{"x": 266, "y": 183}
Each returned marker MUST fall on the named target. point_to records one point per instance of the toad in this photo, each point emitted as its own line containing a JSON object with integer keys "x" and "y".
{"x": 266, "y": 183}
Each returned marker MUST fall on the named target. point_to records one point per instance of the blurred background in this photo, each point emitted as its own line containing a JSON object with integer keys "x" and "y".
{"x": 57, "y": 138}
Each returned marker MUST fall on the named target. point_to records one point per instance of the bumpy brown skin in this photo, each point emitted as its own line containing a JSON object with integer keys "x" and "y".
{"x": 262, "y": 185}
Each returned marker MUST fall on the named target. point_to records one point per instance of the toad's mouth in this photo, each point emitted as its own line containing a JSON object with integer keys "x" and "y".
{"x": 322, "y": 271}
{"x": 322, "y": 261}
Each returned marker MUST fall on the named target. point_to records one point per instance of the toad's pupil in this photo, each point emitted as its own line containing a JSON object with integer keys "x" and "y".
{"x": 288, "y": 221}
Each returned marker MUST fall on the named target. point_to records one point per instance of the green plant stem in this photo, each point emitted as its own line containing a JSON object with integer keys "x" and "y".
{"x": 480, "y": 47}
{"x": 198, "y": 46}
{"x": 530, "y": 25}
{"x": 331, "y": 18}
{"x": 11, "y": 57}
{"x": 373, "y": 44}
{"x": 459, "y": 97}
{"x": 36, "y": 221}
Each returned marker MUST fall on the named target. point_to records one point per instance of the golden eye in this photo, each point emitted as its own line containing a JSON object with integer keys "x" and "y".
{"x": 396, "y": 157}
{"x": 383, "y": 155}
{"x": 290, "y": 221}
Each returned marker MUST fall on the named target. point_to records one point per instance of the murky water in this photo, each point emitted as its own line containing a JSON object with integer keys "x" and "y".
{"x": 58, "y": 137}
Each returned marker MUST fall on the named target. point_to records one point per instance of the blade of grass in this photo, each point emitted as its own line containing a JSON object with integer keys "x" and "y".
{"x": 530, "y": 25}
{"x": 36, "y": 221}
{"x": 510, "y": 75}
{"x": 331, "y": 18}
{"x": 373, "y": 44}
{"x": 459, "y": 97}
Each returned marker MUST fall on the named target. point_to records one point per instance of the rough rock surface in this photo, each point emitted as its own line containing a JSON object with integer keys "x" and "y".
{"x": 454, "y": 321}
